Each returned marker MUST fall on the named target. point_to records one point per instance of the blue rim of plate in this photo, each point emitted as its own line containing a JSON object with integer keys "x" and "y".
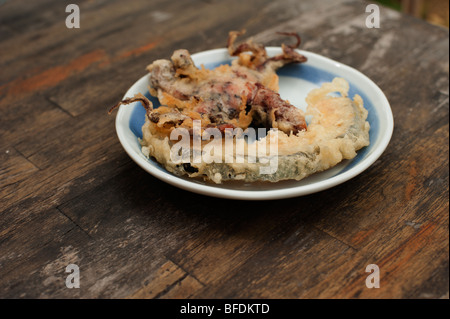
{"x": 380, "y": 132}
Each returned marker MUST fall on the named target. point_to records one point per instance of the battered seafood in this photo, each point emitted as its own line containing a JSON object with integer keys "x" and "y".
{"x": 241, "y": 96}
{"x": 233, "y": 96}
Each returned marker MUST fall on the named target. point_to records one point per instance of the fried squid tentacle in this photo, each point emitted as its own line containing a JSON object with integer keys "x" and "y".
{"x": 258, "y": 50}
{"x": 230, "y": 96}
{"x": 292, "y": 34}
{"x": 288, "y": 56}
{"x": 275, "y": 112}
{"x": 148, "y": 105}
{"x": 259, "y": 59}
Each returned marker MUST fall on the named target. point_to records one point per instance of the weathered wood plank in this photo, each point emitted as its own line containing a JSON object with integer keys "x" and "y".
{"x": 70, "y": 194}
{"x": 286, "y": 267}
{"x": 14, "y": 168}
{"x": 184, "y": 289}
{"x": 164, "y": 279}
{"x": 35, "y": 251}
{"x": 169, "y": 282}
{"x": 24, "y": 119}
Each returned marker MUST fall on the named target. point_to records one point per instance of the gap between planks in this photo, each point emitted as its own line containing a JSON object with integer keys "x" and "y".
{"x": 167, "y": 282}
{"x": 70, "y": 219}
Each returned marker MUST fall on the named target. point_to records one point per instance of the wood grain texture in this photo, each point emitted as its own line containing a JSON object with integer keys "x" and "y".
{"x": 70, "y": 194}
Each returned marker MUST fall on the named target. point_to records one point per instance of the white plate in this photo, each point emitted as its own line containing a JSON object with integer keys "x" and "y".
{"x": 295, "y": 83}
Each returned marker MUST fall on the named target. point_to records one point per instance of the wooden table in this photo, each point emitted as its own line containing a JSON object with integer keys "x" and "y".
{"x": 71, "y": 195}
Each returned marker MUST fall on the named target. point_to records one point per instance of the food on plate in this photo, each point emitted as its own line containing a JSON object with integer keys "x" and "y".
{"x": 207, "y": 122}
{"x": 230, "y": 96}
